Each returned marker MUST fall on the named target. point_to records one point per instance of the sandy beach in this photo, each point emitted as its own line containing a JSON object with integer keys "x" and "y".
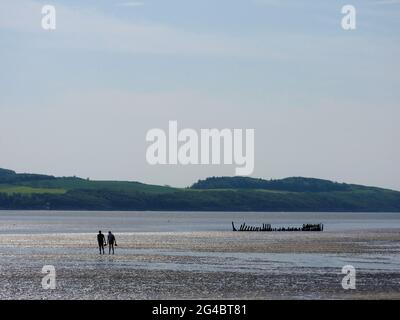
{"x": 203, "y": 265}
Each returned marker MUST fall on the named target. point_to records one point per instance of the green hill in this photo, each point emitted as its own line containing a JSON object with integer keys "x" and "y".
{"x": 44, "y": 192}
{"x": 9, "y": 180}
{"x": 295, "y": 184}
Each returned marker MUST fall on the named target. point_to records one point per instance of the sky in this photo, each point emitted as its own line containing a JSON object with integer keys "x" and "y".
{"x": 323, "y": 101}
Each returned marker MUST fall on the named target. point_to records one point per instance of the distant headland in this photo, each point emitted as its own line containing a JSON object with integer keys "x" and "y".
{"x": 26, "y": 191}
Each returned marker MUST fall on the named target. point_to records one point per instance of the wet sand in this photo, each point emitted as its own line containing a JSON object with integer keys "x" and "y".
{"x": 203, "y": 265}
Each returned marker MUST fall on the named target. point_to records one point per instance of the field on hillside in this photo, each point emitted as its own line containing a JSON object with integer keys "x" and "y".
{"x": 77, "y": 183}
{"x": 10, "y": 189}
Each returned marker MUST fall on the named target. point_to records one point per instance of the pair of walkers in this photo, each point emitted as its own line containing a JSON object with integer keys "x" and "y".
{"x": 101, "y": 240}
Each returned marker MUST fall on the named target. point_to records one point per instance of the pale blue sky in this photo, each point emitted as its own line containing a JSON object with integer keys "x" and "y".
{"x": 80, "y": 99}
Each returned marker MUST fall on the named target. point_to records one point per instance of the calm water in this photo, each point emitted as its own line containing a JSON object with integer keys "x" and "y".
{"x": 84, "y": 221}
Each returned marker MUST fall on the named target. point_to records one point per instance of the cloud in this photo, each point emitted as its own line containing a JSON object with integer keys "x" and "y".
{"x": 280, "y": 3}
{"x": 85, "y": 29}
{"x": 82, "y": 28}
{"x": 268, "y": 2}
{"x": 387, "y": 2}
{"x": 131, "y": 4}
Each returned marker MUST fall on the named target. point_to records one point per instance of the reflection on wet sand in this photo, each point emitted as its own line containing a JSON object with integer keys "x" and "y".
{"x": 212, "y": 264}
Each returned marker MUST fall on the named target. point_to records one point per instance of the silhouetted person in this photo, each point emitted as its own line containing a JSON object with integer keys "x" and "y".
{"x": 101, "y": 240}
{"x": 111, "y": 242}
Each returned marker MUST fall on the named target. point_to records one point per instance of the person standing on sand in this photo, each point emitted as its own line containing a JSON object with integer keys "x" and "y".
{"x": 101, "y": 240}
{"x": 111, "y": 242}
